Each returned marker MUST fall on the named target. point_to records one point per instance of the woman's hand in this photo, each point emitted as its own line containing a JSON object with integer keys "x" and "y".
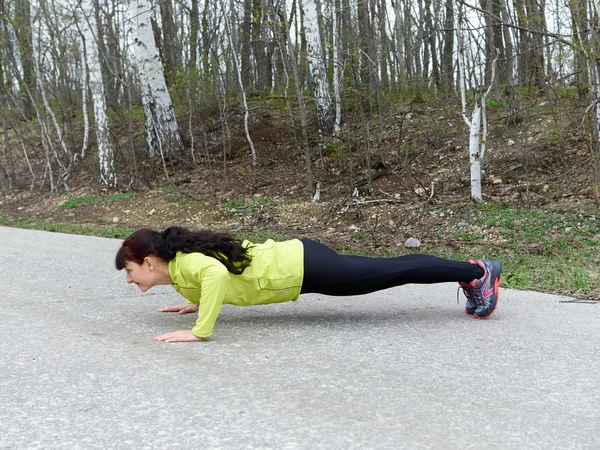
{"x": 179, "y": 336}
{"x": 181, "y": 309}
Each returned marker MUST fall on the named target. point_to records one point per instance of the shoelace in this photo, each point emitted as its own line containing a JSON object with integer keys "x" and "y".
{"x": 466, "y": 291}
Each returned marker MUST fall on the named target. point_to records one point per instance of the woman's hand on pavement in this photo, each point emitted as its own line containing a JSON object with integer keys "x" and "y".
{"x": 179, "y": 336}
{"x": 181, "y": 309}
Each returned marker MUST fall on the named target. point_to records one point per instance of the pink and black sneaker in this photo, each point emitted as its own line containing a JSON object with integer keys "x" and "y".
{"x": 482, "y": 294}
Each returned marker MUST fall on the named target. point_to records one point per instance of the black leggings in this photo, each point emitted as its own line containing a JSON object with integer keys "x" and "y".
{"x": 327, "y": 272}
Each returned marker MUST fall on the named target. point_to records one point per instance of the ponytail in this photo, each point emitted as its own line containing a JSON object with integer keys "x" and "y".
{"x": 165, "y": 245}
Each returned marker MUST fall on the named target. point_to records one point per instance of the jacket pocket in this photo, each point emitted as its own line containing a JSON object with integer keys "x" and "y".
{"x": 278, "y": 285}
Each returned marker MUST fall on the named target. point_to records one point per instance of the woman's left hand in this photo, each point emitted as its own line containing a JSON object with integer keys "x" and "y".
{"x": 179, "y": 336}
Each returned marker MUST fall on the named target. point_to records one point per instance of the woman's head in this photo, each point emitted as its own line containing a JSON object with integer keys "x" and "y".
{"x": 144, "y": 259}
{"x": 137, "y": 247}
{"x": 145, "y": 242}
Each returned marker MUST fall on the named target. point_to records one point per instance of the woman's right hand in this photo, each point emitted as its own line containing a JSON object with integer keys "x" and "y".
{"x": 181, "y": 309}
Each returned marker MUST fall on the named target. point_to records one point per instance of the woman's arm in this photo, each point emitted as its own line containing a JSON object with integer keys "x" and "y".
{"x": 212, "y": 278}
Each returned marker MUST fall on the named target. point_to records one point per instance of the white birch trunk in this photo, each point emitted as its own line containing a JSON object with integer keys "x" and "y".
{"x": 84, "y": 84}
{"x": 474, "y": 161}
{"x": 106, "y": 158}
{"x": 318, "y": 74}
{"x": 477, "y": 141}
{"x": 162, "y": 133}
{"x": 336, "y": 76}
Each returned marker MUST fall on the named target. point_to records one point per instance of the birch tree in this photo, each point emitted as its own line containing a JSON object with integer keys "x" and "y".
{"x": 478, "y": 122}
{"x": 320, "y": 86}
{"x": 162, "y": 133}
{"x": 336, "y": 73}
{"x": 106, "y": 157}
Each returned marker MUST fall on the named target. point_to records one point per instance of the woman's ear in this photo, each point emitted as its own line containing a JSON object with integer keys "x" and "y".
{"x": 149, "y": 262}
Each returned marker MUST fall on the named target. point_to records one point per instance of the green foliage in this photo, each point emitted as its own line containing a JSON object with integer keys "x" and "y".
{"x": 137, "y": 112}
{"x": 359, "y": 235}
{"x": 493, "y": 103}
{"x": 184, "y": 202}
{"x": 87, "y": 199}
{"x": 567, "y": 91}
{"x": 332, "y": 150}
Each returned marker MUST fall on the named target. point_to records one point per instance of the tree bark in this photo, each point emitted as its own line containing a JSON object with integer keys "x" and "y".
{"x": 447, "y": 54}
{"x": 320, "y": 86}
{"x": 25, "y": 39}
{"x": 245, "y": 52}
{"x": 106, "y": 158}
{"x": 170, "y": 54}
{"x": 162, "y": 133}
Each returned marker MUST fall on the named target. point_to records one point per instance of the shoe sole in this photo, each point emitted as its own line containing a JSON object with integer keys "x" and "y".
{"x": 497, "y": 290}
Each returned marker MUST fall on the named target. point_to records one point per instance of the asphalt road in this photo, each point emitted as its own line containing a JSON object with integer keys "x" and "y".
{"x": 403, "y": 368}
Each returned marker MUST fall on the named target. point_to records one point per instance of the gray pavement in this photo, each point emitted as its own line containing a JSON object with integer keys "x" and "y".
{"x": 403, "y": 368}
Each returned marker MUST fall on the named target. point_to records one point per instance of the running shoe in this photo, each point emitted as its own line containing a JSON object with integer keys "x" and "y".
{"x": 482, "y": 294}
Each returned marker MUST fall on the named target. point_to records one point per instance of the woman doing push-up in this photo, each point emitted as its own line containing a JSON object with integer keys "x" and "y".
{"x": 210, "y": 269}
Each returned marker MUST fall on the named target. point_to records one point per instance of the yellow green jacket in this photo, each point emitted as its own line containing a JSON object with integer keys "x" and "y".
{"x": 274, "y": 275}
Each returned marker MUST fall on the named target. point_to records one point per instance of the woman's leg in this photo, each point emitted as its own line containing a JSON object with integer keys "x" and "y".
{"x": 327, "y": 272}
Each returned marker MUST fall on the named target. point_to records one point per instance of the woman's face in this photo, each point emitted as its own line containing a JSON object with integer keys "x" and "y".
{"x": 142, "y": 275}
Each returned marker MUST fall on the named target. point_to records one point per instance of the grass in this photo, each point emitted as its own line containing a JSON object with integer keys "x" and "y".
{"x": 539, "y": 249}
{"x": 185, "y": 202}
{"x": 87, "y": 199}
{"x": 86, "y": 230}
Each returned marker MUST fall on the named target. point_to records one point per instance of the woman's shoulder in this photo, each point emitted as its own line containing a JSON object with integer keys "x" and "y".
{"x": 188, "y": 263}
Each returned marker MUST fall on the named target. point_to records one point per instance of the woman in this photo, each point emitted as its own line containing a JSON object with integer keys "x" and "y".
{"x": 210, "y": 269}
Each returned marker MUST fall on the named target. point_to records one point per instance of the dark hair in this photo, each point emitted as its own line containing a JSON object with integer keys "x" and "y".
{"x": 165, "y": 246}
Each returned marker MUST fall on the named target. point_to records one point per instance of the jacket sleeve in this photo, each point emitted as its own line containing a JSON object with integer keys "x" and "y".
{"x": 213, "y": 279}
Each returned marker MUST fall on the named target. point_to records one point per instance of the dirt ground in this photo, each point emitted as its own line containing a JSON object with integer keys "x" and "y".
{"x": 419, "y": 168}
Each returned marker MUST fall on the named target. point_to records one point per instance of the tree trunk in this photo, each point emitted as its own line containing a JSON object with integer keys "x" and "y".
{"x": 259, "y": 48}
{"x": 206, "y": 83}
{"x": 24, "y": 36}
{"x": 108, "y": 176}
{"x": 523, "y": 44}
{"x": 170, "y": 54}
{"x": 162, "y": 134}
{"x": 320, "y": 86}
{"x": 245, "y": 52}
{"x": 194, "y": 27}
{"x": 508, "y": 68}
{"x": 431, "y": 42}
{"x": 579, "y": 24}
{"x": 336, "y": 73}
{"x": 114, "y": 63}
{"x": 447, "y": 55}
